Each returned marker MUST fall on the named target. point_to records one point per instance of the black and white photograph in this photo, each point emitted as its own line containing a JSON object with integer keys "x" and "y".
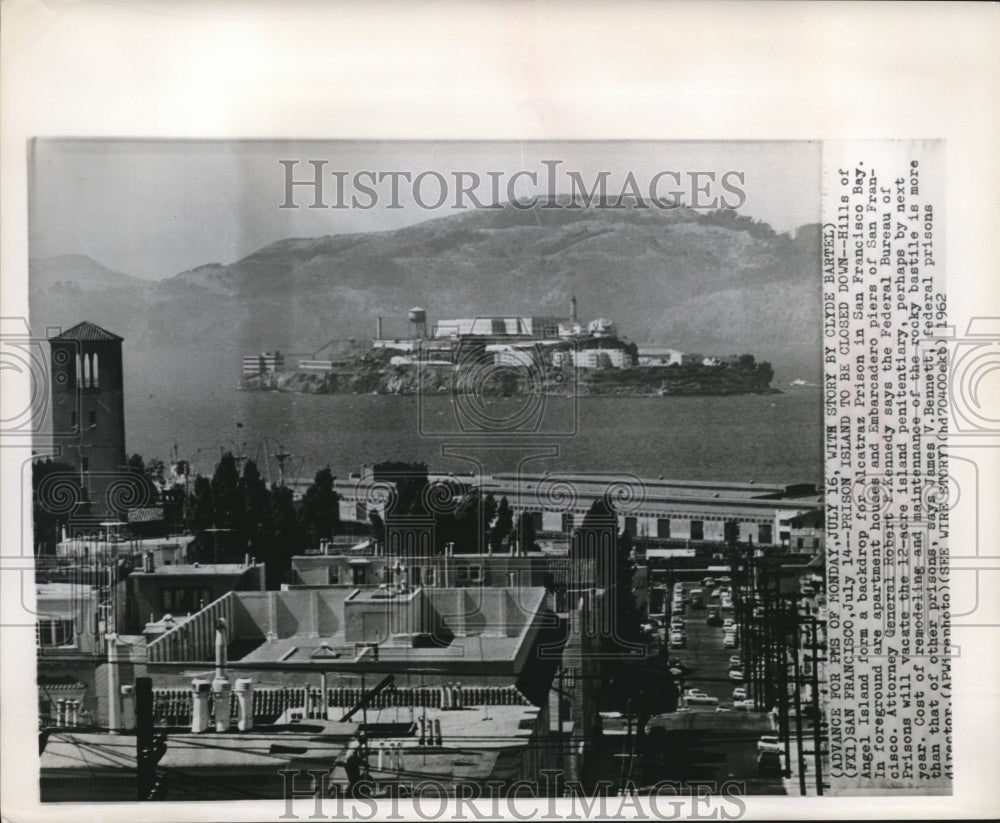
{"x": 457, "y": 464}
{"x": 364, "y": 473}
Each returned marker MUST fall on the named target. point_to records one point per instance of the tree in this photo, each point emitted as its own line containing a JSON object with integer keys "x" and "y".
{"x": 747, "y": 362}
{"x": 320, "y": 512}
{"x": 256, "y": 517}
{"x": 225, "y": 493}
{"x": 602, "y": 558}
{"x": 199, "y": 510}
{"x": 489, "y": 513}
{"x": 765, "y": 373}
{"x": 155, "y": 471}
{"x": 378, "y": 527}
{"x": 410, "y": 481}
{"x": 466, "y": 531}
{"x": 140, "y": 472}
{"x": 503, "y": 526}
{"x": 526, "y": 533}
{"x": 287, "y": 535}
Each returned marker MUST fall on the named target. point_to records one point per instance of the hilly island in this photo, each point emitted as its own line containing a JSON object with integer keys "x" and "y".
{"x": 373, "y": 373}
{"x": 717, "y": 284}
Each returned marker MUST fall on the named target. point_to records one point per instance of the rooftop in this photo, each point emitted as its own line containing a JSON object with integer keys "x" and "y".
{"x": 87, "y": 332}
{"x": 44, "y": 591}
{"x": 224, "y": 569}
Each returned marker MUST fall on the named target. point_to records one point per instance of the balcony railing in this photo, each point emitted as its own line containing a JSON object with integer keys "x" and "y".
{"x": 194, "y": 639}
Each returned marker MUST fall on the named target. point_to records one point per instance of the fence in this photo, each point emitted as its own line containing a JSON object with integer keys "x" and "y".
{"x": 172, "y": 707}
{"x": 195, "y": 638}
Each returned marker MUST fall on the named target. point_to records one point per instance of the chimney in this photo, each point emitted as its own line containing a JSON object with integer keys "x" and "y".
{"x": 127, "y": 722}
{"x": 244, "y": 703}
{"x": 572, "y": 309}
{"x": 199, "y": 705}
{"x": 223, "y": 712}
{"x": 378, "y": 328}
{"x": 220, "y": 649}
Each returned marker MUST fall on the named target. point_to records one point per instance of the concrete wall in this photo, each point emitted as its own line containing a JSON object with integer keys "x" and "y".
{"x": 145, "y": 592}
{"x": 283, "y": 614}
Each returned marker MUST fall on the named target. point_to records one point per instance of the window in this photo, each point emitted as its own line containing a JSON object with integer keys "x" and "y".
{"x": 55, "y": 631}
{"x": 475, "y": 573}
{"x": 184, "y": 601}
{"x": 663, "y": 527}
{"x": 799, "y": 541}
{"x": 429, "y": 576}
{"x": 462, "y": 572}
{"x": 632, "y": 525}
{"x": 333, "y": 575}
{"x": 359, "y": 575}
{"x": 764, "y": 533}
{"x": 91, "y": 419}
{"x": 85, "y": 464}
{"x": 73, "y": 421}
{"x": 697, "y": 529}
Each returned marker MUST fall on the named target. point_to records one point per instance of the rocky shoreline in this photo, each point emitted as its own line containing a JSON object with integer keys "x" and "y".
{"x": 670, "y": 381}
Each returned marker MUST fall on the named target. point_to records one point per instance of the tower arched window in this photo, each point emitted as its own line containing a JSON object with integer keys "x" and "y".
{"x": 94, "y": 372}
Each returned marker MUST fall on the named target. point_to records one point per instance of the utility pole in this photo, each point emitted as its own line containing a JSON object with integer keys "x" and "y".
{"x": 149, "y": 746}
{"x": 798, "y": 711}
{"x": 817, "y": 716}
{"x": 783, "y": 683}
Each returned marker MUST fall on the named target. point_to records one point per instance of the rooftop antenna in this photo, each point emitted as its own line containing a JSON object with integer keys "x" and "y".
{"x": 281, "y": 456}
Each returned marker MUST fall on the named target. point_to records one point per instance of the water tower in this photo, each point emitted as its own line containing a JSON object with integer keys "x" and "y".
{"x": 418, "y": 322}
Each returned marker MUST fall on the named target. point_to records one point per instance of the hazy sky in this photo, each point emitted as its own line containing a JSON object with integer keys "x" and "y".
{"x": 152, "y": 209}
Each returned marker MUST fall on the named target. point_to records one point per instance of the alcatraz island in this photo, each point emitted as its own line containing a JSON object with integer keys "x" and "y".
{"x": 505, "y": 355}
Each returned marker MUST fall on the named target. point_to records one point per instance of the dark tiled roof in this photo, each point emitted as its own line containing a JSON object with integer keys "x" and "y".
{"x": 150, "y": 515}
{"x": 65, "y": 682}
{"x": 88, "y": 332}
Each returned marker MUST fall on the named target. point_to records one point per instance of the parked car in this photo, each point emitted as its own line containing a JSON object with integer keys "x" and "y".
{"x": 745, "y": 705}
{"x": 696, "y": 697}
{"x": 735, "y": 662}
{"x": 770, "y": 763}
{"x": 725, "y": 579}
{"x": 739, "y": 693}
{"x": 770, "y": 743}
{"x": 729, "y": 641}
{"x": 708, "y": 582}
{"x": 729, "y": 623}
{"x": 676, "y": 623}
{"x": 678, "y": 640}
{"x": 736, "y": 674}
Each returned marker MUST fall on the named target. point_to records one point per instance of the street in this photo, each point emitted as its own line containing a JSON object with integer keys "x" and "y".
{"x": 700, "y": 742}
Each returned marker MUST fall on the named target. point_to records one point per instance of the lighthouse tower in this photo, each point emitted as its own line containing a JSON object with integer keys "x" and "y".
{"x": 88, "y": 407}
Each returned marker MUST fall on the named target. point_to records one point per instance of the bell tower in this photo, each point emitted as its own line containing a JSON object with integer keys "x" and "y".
{"x": 88, "y": 407}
